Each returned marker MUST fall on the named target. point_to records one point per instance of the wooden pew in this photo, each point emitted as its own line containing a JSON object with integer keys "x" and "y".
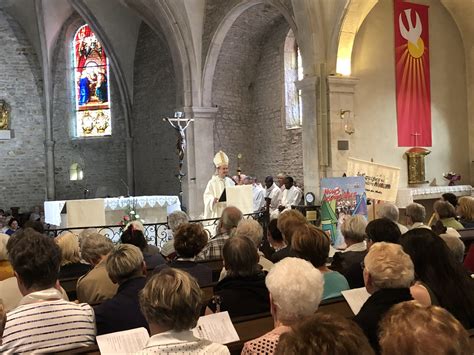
{"x": 69, "y": 284}
{"x": 254, "y": 326}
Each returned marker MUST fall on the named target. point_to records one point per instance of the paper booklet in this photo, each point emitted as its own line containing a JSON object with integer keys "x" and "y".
{"x": 356, "y": 298}
{"x": 216, "y": 327}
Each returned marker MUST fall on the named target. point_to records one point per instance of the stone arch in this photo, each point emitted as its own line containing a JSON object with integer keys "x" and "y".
{"x": 161, "y": 19}
{"x": 219, "y": 36}
{"x": 355, "y": 15}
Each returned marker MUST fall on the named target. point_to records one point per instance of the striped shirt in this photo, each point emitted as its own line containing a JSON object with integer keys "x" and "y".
{"x": 48, "y": 326}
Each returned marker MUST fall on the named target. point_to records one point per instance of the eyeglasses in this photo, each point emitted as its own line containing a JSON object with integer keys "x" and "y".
{"x": 362, "y": 264}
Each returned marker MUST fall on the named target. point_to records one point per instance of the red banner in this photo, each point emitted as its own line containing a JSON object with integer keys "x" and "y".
{"x": 412, "y": 70}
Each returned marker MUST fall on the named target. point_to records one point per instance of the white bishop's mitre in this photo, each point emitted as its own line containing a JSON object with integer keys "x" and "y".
{"x": 220, "y": 159}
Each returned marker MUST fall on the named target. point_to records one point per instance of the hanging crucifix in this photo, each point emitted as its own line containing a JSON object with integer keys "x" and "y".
{"x": 179, "y": 123}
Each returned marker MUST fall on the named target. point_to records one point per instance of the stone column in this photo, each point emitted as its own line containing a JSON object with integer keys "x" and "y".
{"x": 311, "y": 143}
{"x": 130, "y": 171}
{"x": 342, "y": 119}
{"x": 199, "y": 155}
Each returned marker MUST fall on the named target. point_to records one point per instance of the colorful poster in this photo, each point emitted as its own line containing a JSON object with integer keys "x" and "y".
{"x": 340, "y": 197}
{"x": 381, "y": 181}
{"x": 412, "y": 72}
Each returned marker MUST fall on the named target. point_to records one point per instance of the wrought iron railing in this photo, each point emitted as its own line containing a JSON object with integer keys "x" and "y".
{"x": 155, "y": 233}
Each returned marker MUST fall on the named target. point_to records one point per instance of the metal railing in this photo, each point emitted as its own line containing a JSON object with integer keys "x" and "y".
{"x": 155, "y": 233}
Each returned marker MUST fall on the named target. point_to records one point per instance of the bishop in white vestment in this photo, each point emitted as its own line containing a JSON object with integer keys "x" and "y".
{"x": 212, "y": 207}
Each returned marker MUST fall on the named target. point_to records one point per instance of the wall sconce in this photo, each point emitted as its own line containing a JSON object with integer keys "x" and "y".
{"x": 348, "y": 127}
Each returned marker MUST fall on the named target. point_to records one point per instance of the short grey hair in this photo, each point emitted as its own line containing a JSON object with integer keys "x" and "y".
{"x": 124, "y": 261}
{"x": 251, "y": 229}
{"x": 296, "y": 287}
{"x": 353, "y": 228}
{"x": 390, "y": 211}
{"x": 454, "y": 244}
{"x": 95, "y": 246}
{"x": 176, "y": 219}
{"x": 416, "y": 212}
{"x": 3, "y": 246}
{"x": 444, "y": 209}
{"x": 389, "y": 266}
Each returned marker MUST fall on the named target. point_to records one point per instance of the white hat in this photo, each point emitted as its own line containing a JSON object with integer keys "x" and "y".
{"x": 220, "y": 159}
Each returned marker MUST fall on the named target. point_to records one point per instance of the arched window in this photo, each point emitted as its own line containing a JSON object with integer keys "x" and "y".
{"x": 293, "y": 72}
{"x": 91, "y": 85}
{"x": 75, "y": 172}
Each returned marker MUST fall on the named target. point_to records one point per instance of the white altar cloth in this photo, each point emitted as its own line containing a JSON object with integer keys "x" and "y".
{"x": 152, "y": 209}
{"x": 407, "y": 195}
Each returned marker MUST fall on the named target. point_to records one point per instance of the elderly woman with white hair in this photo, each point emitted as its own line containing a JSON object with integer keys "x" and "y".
{"x": 347, "y": 262}
{"x": 388, "y": 275}
{"x": 175, "y": 220}
{"x": 296, "y": 289}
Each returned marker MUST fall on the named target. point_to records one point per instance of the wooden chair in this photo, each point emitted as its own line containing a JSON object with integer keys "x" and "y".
{"x": 336, "y": 305}
{"x": 69, "y": 284}
{"x": 216, "y": 266}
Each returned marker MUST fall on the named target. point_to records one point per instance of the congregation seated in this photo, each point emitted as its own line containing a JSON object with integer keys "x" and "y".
{"x": 250, "y": 228}
{"x": 382, "y": 230}
{"x": 388, "y": 274}
{"x": 390, "y": 211}
{"x": 446, "y": 213}
{"x": 275, "y": 238}
{"x": 135, "y": 236}
{"x": 347, "y": 262}
{"x": 171, "y": 304}
{"x": 324, "y": 333}
{"x": 465, "y": 211}
{"x": 6, "y": 269}
{"x": 296, "y": 289}
{"x": 443, "y": 278}
{"x": 126, "y": 267}
{"x": 230, "y": 218}
{"x": 71, "y": 265}
{"x": 189, "y": 239}
{"x": 43, "y": 322}
{"x": 96, "y": 285}
{"x": 411, "y": 328}
{"x": 13, "y": 226}
{"x": 174, "y": 220}
{"x": 415, "y": 216}
{"x": 312, "y": 244}
{"x": 9, "y": 291}
{"x": 242, "y": 292}
{"x": 287, "y": 222}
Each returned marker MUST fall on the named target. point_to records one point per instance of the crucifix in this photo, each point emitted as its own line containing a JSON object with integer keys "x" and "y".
{"x": 179, "y": 123}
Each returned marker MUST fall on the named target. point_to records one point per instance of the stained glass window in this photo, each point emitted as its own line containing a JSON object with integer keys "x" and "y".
{"x": 91, "y": 85}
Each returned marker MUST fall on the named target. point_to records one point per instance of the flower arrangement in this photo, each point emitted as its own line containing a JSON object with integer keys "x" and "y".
{"x": 452, "y": 177}
{"x": 129, "y": 216}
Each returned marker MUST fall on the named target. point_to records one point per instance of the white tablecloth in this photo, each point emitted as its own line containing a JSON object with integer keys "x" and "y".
{"x": 152, "y": 209}
{"x": 407, "y": 195}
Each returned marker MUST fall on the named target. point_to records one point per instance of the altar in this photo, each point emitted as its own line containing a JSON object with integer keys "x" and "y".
{"x": 108, "y": 211}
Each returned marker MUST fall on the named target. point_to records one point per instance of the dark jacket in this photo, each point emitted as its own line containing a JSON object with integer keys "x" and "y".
{"x": 242, "y": 296}
{"x": 349, "y": 265}
{"x": 74, "y": 270}
{"x": 122, "y": 311}
{"x": 280, "y": 255}
{"x": 202, "y": 273}
{"x": 375, "y": 308}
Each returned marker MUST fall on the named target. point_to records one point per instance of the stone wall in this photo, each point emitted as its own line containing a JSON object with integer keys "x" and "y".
{"x": 154, "y": 98}
{"x": 23, "y": 175}
{"x": 248, "y": 90}
{"x": 103, "y": 159}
